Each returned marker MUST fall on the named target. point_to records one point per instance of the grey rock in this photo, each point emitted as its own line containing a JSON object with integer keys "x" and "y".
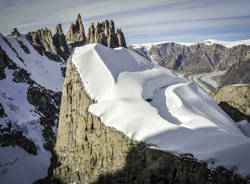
{"x": 234, "y": 100}
{"x": 14, "y": 32}
{"x": 202, "y": 58}
{"x": 47, "y": 105}
{"x": 2, "y": 112}
{"x": 76, "y": 34}
{"x": 5, "y": 62}
{"x": 24, "y": 47}
{"x": 14, "y": 137}
{"x": 104, "y": 33}
{"x": 238, "y": 73}
{"x": 60, "y": 43}
{"x": 121, "y": 38}
{"x": 22, "y": 76}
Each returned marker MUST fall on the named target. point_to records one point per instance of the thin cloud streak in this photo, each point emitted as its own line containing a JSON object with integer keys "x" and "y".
{"x": 140, "y": 20}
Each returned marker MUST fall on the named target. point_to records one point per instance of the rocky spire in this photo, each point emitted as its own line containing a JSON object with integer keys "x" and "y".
{"x": 104, "y": 33}
{"x": 121, "y": 39}
{"x": 91, "y": 34}
{"x": 42, "y": 41}
{"x": 76, "y": 32}
{"x": 14, "y": 32}
{"x": 60, "y": 42}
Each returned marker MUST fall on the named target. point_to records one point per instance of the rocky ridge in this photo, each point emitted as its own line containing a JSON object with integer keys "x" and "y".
{"x": 201, "y": 58}
{"x": 76, "y": 34}
{"x": 40, "y": 120}
{"x": 104, "y": 33}
{"x": 87, "y": 151}
{"x": 35, "y": 135}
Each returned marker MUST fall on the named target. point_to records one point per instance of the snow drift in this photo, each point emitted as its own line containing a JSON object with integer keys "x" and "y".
{"x": 153, "y": 104}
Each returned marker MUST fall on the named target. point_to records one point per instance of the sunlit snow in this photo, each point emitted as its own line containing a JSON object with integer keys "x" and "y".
{"x": 153, "y": 104}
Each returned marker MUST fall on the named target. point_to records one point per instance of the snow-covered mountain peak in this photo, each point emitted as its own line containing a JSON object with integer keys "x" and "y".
{"x": 150, "y": 103}
{"x": 228, "y": 44}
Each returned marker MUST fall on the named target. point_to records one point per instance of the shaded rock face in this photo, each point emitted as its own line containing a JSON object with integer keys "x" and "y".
{"x": 76, "y": 34}
{"x": 12, "y": 136}
{"x": 104, "y": 33}
{"x": 87, "y": 151}
{"x": 238, "y": 73}
{"x": 47, "y": 104}
{"x": 234, "y": 100}
{"x": 60, "y": 43}
{"x": 42, "y": 41}
{"x": 202, "y": 58}
{"x": 14, "y": 32}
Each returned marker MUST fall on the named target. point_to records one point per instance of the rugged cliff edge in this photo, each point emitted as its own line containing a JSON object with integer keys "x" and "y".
{"x": 87, "y": 151}
{"x": 235, "y": 100}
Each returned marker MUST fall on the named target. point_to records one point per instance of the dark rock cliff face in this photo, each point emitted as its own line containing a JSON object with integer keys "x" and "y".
{"x": 60, "y": 43}
{"x": 87, "y": 151}
{"x": 202, "y": 58}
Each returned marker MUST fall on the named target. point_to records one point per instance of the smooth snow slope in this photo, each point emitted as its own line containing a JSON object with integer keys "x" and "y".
{"x": 153, "y": 104}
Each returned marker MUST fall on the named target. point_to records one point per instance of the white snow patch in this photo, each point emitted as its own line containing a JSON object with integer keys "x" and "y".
{"x": 148, "y": 46}
{"x": 20, "y": 167}
{"x": 228, "y": 44}
{"x": 13, "y": 97}
{"x": 43, "y": 70}
{"x": 153, "y": 104}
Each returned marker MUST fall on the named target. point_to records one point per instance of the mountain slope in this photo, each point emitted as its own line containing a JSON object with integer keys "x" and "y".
{"x": 30, "y": 86}
{"x": 206, "y": 57}
{"x": 133, "y": 97}
{"x": 32, "y": 71}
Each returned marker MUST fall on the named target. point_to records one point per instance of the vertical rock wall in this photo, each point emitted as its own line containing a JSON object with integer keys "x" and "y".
{"x": 87, "y": 151}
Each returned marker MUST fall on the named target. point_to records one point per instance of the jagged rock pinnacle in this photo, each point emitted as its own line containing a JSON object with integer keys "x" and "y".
{"x": 14, "y": 32}
{"x": 104, "y": 33}
{"x": 60, "y": 42}
{"x": 76, "y": 32}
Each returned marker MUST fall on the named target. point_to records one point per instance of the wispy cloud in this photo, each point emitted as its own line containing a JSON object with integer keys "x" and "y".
{"x": 142, "y": 21}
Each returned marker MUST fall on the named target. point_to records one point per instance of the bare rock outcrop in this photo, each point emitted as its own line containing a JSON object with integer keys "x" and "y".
{"x": 42, "y": 41}
{"x": 14, "y": 32}
{"x": 202, "y": 58}
{"x": 104, "y": 33}
{"x": 238, "y": 73}
{"x": 76, "y": 34}
{"x": 60, "y": 42}
{"x": 87, "y": 151}
{"x": 234, "y": 100}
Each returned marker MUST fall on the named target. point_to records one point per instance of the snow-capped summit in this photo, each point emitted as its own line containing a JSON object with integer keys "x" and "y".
{"x": 228, "y": 44}
{"x": 153, "y": 104}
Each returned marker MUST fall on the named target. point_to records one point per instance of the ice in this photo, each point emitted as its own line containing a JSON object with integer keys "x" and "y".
{"x": 153, "y": 104}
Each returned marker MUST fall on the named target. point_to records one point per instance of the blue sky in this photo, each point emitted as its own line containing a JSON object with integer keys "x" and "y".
{"x": 142, "y": 21}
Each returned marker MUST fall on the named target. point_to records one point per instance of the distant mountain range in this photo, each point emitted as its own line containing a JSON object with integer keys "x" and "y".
{"x": 205, "y": 57}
